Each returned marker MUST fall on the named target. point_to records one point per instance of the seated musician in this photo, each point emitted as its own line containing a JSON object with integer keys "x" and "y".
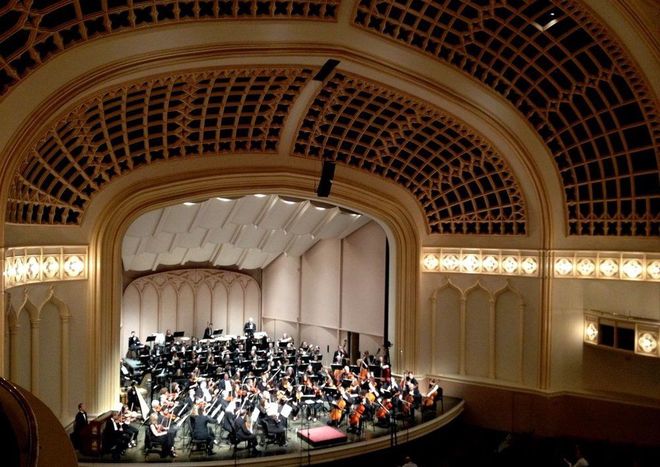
{"x": 157, "y": 434}
{"x": 274, "y": 425}
{"x": 79, "y": 423}
{"x": 126, "y": 417}
{"x": 244, "y": 431}
{"x": 115, "y": 439}
{"x": 202, "y": 431}
{"x": 250, "y": 327}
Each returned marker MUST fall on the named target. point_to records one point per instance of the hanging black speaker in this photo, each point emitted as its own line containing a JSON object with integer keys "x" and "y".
{"x": 325, "y": 183}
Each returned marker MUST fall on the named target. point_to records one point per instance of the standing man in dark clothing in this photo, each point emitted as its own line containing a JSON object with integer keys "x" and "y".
{"x": 250, "y": 328}
{"x": 79, "y": 423}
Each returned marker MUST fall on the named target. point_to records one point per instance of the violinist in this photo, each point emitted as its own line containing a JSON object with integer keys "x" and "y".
{"x": 244, "y": 431}
{"x": 115, "y": 439}
{"x": 126, "y": 418}
{"x": 157, "y": 434}
{"x": 275, "y": 425}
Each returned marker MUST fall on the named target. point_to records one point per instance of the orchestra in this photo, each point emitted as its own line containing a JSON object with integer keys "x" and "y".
{"x": 239, "y": 383}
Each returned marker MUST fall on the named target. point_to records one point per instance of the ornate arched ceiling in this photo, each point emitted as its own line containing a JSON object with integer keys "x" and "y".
{"x": 554, "y": 61}
{"x": 571, "y": 80}
{"x": 462, "y": 184}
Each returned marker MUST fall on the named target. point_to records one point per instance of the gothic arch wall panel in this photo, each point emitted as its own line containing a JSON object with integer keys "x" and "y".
{"x": 50, "y": 357}
{"x": 447, "y": 327}
{"x": 184, "y": 300}
{"x": 509, "y": 337}
{"x": 477, "y": 337}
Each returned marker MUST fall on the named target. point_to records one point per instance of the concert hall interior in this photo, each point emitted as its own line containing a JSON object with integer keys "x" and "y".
{"x": 394, "y": 216}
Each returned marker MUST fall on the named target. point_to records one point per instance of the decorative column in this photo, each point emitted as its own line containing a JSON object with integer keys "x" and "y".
{"x": 64, "y": 368}
{"x": 463, "y": 336}
{"x": 13, "y": 349}
{"x": 491, "y": 337}
{"x": 434, "y": 302}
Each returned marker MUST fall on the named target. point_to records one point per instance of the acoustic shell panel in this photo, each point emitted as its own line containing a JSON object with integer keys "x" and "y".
{"x": 569, "y": 77}
{"x": 222, "y": 111}
{"x": 462, "y": 183}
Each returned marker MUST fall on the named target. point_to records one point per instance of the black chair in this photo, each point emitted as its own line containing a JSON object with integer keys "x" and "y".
{"x": 266, "y": 436}
{"x": 151, "y": 446}
{"x": 197, "y": 445}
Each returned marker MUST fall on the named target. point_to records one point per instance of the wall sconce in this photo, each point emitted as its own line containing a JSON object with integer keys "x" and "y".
{"x": 646, "y": 340}
{"x": 590, "y": 329}
{"x": 36, "y": 264}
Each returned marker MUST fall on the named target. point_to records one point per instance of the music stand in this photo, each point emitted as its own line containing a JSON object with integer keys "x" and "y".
{"x": 150, "y": 340}
{"x": 178, "y": 334}
{"x": 217, "y": 332}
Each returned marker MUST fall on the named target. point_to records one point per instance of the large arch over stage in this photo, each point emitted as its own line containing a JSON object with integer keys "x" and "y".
{"x": 519, "y": 196}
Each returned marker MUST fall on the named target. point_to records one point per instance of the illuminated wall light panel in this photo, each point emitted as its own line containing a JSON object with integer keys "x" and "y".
{"x": 526, "y": 263}
{"x": 647, "y": 340}
{"x": 606, "y": 265}
{"x": 591, "y": 329}
{"x": 30, "y": 265}
{"x": 481, "y": 261}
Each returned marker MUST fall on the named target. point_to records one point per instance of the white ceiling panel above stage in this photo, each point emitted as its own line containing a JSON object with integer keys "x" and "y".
{"x": 247, "y": 232}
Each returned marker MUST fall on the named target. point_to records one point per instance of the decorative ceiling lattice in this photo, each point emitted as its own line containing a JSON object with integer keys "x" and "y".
{"x": 462, "y": 184}
{"x": 33, "y": 32}
{"x": 222, "y": 111}
{"x": 563, "y": 71}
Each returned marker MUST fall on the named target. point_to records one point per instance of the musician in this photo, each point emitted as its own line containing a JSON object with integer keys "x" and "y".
{"x": 158, "y": 434}
{"x": 169, "y": 337}
{"x": 132, "y": 397}
{"x": 208, "y": 332}
{"x": 275, "y": 426}
{"x": 339, "y": 355}
{"x": 115, "y": 439}
{"x": 126, "y": 417}
{"x": 201, "y": 429}
{"x": 249, "y": 328}
{"x": 133, "y": 344}
{"x": 244, "y": 432}
{"x": 79, "y": 423}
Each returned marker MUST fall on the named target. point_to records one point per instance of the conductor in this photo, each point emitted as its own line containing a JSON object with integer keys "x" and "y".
{"x": 250, "y": 328}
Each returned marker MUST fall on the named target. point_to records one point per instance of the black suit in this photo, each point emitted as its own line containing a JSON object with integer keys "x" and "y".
{"x": 250, "y": 328}
{"x": 79, "y": 423}
{"x": 243, "y": 434}
{"x": 208, "y": 333}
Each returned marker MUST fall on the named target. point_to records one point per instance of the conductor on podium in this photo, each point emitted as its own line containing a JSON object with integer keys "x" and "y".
{"x": 250, "y": 328}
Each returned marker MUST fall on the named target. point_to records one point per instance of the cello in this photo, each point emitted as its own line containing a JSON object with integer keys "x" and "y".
{"x": 355, "y": 416}
{"x": 337, "y": 411}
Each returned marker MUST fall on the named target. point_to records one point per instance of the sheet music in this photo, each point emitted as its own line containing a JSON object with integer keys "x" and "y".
{"x": 255, "y": 415}
{"x": 286, "y": 410}
{"x": 221, "y": 416}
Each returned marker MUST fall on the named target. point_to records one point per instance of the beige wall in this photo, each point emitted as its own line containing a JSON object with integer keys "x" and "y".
{"x": 481, "y": 328}
{"x": 585, "y": 369}
{"x": 54, "y": 365}
{"x": 335, "y": 287}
